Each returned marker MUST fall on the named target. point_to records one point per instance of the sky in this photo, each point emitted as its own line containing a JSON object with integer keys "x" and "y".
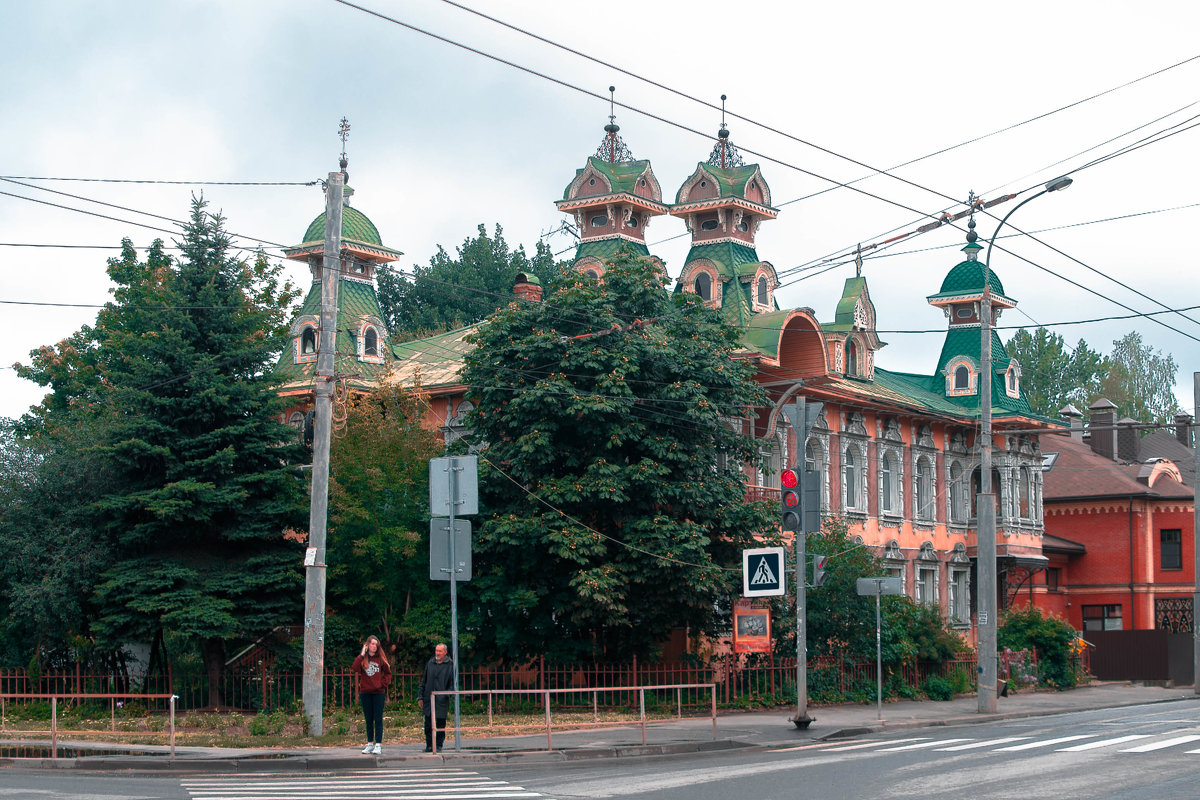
{"x": 443, "y": 139}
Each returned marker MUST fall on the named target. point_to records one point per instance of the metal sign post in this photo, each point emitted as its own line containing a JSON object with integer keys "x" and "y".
{"x": 454, "y": 488}
{"x": 879, "y": 587}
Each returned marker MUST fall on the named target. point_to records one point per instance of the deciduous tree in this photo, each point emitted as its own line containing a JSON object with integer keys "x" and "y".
{"x": 615, "y": 503}
{"x": 1053, "y": 373}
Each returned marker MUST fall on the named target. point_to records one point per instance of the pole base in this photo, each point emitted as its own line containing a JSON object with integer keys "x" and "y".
{"x": 802, "y": 722}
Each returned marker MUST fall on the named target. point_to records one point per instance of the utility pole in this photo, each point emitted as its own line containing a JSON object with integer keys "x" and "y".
{"x": 1195, "y": 537}
{"x": 314, "y": 583}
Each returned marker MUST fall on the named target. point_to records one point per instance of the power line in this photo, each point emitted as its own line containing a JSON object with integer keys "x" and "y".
{"x": 173, "y": 183}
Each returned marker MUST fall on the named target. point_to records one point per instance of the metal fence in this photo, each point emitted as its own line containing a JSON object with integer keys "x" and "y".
{"x": 740, "y": 680}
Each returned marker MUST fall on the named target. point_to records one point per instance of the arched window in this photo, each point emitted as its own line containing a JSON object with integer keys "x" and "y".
{"x": 851, "y": 358}
{"x": 709, "y": 225}
{"x": 958, "y": 505}
{"x": 1023, "y": 493}
{"x": 1012, "y": 381}
{"x": 924, "y": 489}
{"x": 600, "y": 221}
{"x": 591, "y": 274}
{"x": 962, "y": 377}
{"x": 887, "y": 483}
{"x": 370, "y": 342}
{"x": 762, "y": 290}
{"x": 703, "y": 285}
{"x": 308, "y": 341}
{"x": 851, "y": 478}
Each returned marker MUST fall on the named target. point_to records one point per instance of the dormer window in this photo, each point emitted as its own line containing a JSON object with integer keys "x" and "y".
{"x": 762, "y": 290}
{"x": 308, "y": 342}
{"x": 851, "y": 359}
{"x": 370, "y": 343}
{"x": 962, "y": 377}
{"x": 600, "y": 221}
{"x": 709, "y": 225}
{"x": 591, "y": 275}
{"x": 703, "y": 286}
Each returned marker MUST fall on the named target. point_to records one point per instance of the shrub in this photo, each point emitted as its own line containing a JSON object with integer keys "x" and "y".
{"x": 1053, "y": 637}
{"x": 938, "y": 688}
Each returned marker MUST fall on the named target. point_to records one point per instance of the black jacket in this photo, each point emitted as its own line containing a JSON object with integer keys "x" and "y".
{"x": 437, "y": 678}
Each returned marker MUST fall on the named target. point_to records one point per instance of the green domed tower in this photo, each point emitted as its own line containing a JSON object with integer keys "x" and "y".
{"x": 361, "y": 341}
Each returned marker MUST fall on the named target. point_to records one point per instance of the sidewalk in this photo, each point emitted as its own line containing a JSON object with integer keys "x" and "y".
{"x": 758, "y": 729}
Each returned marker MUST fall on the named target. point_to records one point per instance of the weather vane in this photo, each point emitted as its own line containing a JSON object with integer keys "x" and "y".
{"x": 343, "y": 132}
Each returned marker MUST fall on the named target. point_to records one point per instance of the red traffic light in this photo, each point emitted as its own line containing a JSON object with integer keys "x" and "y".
{"x": 789, "y": 479}
{"x": 791, "y": 499}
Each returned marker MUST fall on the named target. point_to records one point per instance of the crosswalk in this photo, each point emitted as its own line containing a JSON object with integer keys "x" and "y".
{"x": 1077, "y": 743}
{"x": 383, "y": 784}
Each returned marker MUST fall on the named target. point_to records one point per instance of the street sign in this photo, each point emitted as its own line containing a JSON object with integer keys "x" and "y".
{"x": 886, "y": 585}
{"x": 762, "y": 572}
{"x": 461, "y": 473}
{"x": 439, "y": 550}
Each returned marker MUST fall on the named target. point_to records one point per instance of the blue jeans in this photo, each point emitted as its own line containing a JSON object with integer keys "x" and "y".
{"x": 373, "y": 713}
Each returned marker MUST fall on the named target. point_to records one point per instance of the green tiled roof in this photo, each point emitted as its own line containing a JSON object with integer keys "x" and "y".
{"x": 762, "y": 333}
{"x": 731, "y": 182}
{"x": 843, "y": 317}
{"x": 966, "y": 279}
{"x": 729, "y": 257}
{"x": 606, "y": 249}
{"x": 355, "y": 301}
{"x": 434, "y": 361}
{"x": 355, "y": 226}
{"x": 964, "y": 341}
{"x": 623, "y": 175}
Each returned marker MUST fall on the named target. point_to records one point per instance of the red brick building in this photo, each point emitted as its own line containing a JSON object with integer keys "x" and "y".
{"x": 1119, "y": 530}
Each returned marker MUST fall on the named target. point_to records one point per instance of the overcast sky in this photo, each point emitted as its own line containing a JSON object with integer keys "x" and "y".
{"x": 443, "y": 139}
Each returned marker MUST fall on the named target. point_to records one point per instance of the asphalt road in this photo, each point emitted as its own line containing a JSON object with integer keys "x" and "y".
{"x": 1135, "y": 753}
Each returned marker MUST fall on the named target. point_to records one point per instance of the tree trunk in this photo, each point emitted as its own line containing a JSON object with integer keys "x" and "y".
{"x": 213, "y": 651}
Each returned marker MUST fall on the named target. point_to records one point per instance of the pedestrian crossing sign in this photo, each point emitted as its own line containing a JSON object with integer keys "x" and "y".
{"x": 763, "y": 572}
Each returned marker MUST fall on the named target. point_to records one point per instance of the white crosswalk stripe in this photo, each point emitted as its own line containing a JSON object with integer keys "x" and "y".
{"x": 1016, "y": 748}
{"x": 920, "y": 745}
{"x": 1174, "y": 738}
{"x": 1152, "y": 746}
{"x": 984, "y": 743}
{"x": 1079, "y": 748}
{"x": 391, "y": 784}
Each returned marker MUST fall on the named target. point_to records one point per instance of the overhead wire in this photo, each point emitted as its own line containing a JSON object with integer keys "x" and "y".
{"x": 173, "y": 183}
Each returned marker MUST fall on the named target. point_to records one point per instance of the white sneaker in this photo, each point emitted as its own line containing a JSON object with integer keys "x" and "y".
{"x": 377, "y": 750}
{"x": 368, "y": 749}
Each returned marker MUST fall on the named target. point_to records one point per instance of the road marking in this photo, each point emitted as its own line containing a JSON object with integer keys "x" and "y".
{"x": 399, "y": 784}
{"x": 876, "y": 743}
{"x": 815, "y": 746}
{"x": 1031, "y": 745}
{"x": 975, "y": 745}
{"x": 1149, "y": 748}
{"x": 920, "y": 745}
{"x": 1079, "y": 748}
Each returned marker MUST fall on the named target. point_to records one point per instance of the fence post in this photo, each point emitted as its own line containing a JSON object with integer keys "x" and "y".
{"x": 642, "y": 712}
{"x": 595, "y": 707}
{"x": 172, "y": 702}
{"x": 546, "y": 702}
{"x": 542, "y": 679}
{"x": 772, "y": 668}
{"x": 714, "y": 712}
{"x": 53, "y": 727}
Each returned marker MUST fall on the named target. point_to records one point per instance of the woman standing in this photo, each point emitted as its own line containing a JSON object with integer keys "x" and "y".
{"x": 374, "y": 674}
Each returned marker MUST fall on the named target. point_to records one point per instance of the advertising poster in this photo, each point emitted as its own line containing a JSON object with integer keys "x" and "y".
{"x": 751, "y": 629}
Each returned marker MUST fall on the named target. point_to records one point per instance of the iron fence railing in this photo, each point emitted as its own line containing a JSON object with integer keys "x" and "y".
{"x": 739, "y": 679}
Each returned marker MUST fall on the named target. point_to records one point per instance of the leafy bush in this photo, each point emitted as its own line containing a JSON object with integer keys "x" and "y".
{"x": 938, "y": 688}
{"x": 1054, "y": 638}
{"x": 267, "y": 724}
{"x": 961, "y": 681}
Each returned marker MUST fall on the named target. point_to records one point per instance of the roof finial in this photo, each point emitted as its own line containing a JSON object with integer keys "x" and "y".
{"x": 343, "y": 132}
{"x": 613, "y": 149}
{"x": 724, "y": 154}
{"x": 972, "y": 249}
{"x": 858, "y": 260}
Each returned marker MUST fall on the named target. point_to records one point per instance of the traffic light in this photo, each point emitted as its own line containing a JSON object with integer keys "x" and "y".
{"x": 789, "y": 497}
{"x": 818, "y": 569}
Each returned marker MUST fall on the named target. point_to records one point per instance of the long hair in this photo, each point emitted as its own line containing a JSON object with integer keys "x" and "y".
{"x": 379, "y": 652}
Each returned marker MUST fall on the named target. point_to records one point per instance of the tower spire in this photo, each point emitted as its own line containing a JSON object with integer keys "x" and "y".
{"x": 613, "y": 149}
{"x": 724, "y": 154}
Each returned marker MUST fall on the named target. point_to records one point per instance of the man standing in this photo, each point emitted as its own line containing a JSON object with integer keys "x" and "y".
{"x": 438, "y": 677}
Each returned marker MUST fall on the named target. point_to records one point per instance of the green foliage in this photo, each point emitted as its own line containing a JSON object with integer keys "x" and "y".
{"x": 611, "y": 483}
{"x": 1054, "y": 638}
{"x": 180, "y": 490}
{"x": 1141, "y": 380}
{"x": 264, "y": 724}
{"x": 378, "y": 545}
{"x": 453, "y": 292}
{"x": 938, "y": 688}
{"x": 1054, "y": 374}
{"x": 840, "y": 623}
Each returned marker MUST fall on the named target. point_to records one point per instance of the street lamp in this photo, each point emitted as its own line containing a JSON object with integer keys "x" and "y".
{"x": 985, "y": 535}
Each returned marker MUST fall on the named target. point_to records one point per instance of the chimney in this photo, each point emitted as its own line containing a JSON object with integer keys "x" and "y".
{"x": 528, "y": 287}
{"x": 1074, "y": 418}
{"x": 1183, "y": 429}
{"x": 1127, "y": 439}
{"x": 1103, "y": 415}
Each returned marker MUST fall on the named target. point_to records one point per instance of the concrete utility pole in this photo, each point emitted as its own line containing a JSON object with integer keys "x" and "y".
{"x": 314, "y": 585}
{"x": 985, "y": 533}
{"x": 1195, "y": 537}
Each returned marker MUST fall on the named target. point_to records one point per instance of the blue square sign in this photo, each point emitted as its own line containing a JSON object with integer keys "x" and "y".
{"x": 763, "y": 572}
